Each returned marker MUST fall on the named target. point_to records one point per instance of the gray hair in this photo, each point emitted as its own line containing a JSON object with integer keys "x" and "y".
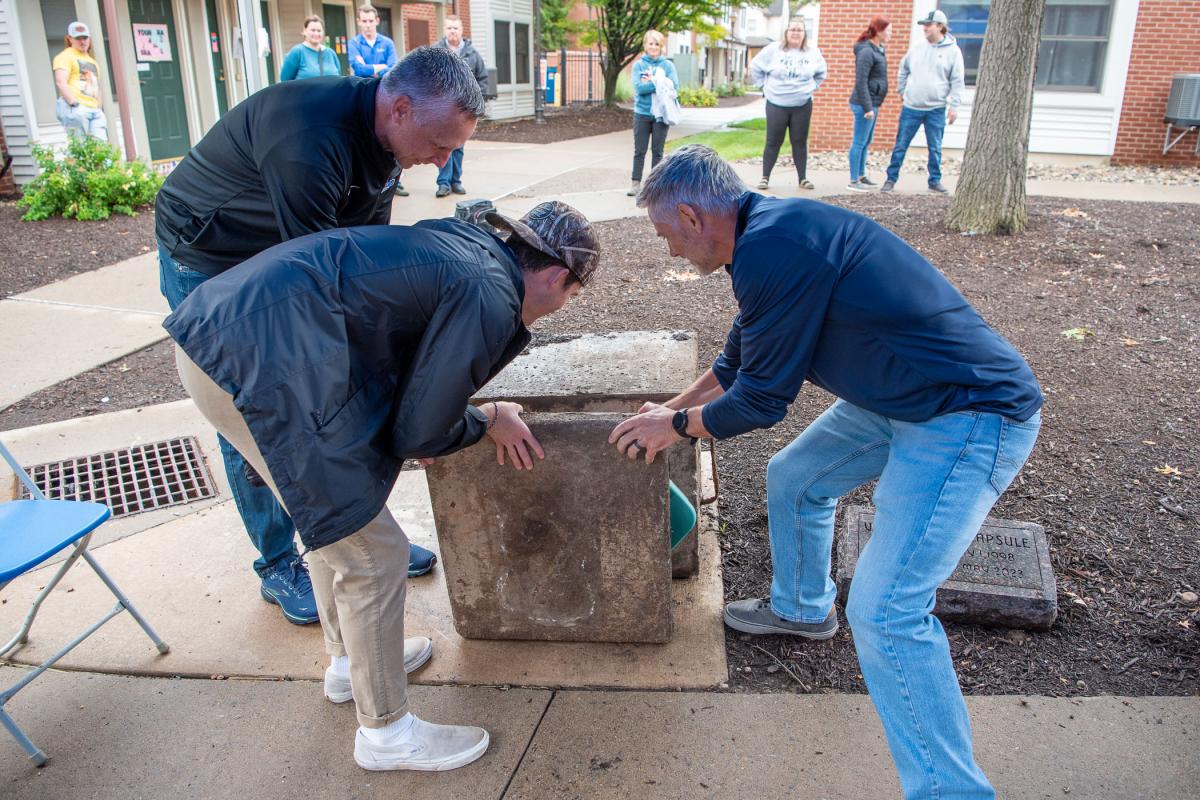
{"x": 429, "y": 74}
{"x": 695, "y": 175}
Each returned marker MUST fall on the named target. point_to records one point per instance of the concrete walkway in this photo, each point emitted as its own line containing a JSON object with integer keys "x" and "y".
{"x": 133, "y": 738}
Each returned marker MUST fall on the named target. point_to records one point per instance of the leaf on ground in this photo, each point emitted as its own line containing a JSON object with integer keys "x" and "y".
{"x": 1130, "y": 342}
{"x": 1078, "y": 334}
{"x": 1073, "y": 212}
{"x": 1167, "y": 469}
{"x": 672, "y": 275}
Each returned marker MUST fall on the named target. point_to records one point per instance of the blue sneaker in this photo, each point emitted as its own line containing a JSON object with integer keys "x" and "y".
{"x": 288, "y": 586}
{"x": 420, "y": 560}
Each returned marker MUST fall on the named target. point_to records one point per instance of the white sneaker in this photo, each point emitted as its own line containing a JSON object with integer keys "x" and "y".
{"x": 417, "y": 651}
{"x": 855, "y": 186}
{"x": 634, "y": 189}
{"x": 423, "y": 746}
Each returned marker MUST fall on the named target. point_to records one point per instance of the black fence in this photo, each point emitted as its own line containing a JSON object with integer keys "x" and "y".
{"x": 578, "y": 77}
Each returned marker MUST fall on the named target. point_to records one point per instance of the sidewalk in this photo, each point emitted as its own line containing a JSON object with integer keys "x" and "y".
{"x": 133, "y": 738}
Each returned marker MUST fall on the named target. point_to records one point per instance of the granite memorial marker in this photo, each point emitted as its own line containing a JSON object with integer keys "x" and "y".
{"x": 1003, "y": 579}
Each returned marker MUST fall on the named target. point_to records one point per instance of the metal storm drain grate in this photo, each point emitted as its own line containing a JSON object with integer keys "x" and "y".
{"x": 132, "y": 480}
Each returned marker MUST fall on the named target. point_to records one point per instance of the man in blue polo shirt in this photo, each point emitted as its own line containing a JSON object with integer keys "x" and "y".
{"x": 932, "y": 402}
{"x": 372, "y": 54}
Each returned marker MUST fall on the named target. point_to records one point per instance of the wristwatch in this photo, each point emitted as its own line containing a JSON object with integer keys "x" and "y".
{"x": 680, "y": 423}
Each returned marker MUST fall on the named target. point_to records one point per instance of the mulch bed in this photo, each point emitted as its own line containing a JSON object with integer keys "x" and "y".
{"x": 560, "y": 125}
{"x": 33, "y": 254}
{"x": 1121, "y": 410}
{"x": 734, "y": 102}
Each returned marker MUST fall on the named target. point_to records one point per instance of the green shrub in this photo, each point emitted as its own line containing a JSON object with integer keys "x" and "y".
{"x": 731, "y": 90}
{"x": 697, "y": 96}
{"x": 89, "y": 181}
{"x": 624, "y": 87}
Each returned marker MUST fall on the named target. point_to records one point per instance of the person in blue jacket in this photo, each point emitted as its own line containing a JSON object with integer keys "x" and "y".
{"x": 372, "y": 54}
{"x": 330, "y": 359}
{"x": 311, "y": 58}
{"x": 930, "y": 401}
{"x": 647, "y": 130}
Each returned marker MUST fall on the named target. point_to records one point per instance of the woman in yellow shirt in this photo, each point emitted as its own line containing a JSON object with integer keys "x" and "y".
{"x": 77, "y": 76}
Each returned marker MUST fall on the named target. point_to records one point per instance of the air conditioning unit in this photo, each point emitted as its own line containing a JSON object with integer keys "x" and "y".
{"x": 1183, "y": 104}
{"x": 1183, "y": 109}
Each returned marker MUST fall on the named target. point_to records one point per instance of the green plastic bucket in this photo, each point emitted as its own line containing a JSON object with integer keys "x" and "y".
{"x": 683, "y": 515}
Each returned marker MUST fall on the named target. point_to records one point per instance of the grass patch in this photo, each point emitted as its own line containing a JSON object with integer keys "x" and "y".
{"x": 756, "y": 124}
{"x": 730, "y": 145}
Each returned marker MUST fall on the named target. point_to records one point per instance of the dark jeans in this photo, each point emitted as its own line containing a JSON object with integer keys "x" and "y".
{"x": 452, "y": 172}
{"x": 794, "y": 120}
{"x": 911, "y": 121}
{"x": 269, "y": 526}
{"x": 647, "y": 130}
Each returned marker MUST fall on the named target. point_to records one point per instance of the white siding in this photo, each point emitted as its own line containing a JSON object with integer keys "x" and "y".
{"x": 14, "y": 111}
{"x": 513, "y": 100}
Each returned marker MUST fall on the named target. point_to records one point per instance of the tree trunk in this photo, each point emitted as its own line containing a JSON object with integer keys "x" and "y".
{"x": 990, "y": 197}
{"x": 611, "y": 73}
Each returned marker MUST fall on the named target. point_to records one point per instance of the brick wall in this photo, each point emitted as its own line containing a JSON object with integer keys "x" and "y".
{"x": 841, "y": 23}
{"x": 8, "y": 186}
{"x": 422, "y": 12}
{"x": 1163, "y": 44}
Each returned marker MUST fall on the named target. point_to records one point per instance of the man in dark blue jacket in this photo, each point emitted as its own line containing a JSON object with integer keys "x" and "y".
{"x": 930, "y": 401}
{"x": 328, "y": 360}
{"x": 296, "y": 158}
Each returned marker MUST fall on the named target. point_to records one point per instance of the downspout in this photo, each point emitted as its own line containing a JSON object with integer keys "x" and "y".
{"x": 117, "y": 55}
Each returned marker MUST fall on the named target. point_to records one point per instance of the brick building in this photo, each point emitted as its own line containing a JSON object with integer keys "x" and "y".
{"x": 199, "y": 68}
{"x": 1104, "y": 73}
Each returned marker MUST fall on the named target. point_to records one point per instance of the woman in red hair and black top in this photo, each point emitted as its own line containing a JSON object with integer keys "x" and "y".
{"x": 870, "y": 88}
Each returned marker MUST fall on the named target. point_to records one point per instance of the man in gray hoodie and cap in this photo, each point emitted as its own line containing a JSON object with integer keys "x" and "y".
{"x": 931, "y": 85}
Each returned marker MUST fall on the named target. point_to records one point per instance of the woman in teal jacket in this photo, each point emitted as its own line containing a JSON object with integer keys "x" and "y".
{"x": 311, "y": 58}
{"x": 646, "y": 128}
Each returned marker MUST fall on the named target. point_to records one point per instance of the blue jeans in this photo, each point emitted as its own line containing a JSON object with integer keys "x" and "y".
{"x": 81, "y": 121}
{"x": 937, "y": 481}
{"x": 911, "y": 120}
{"x": 269, "y": 526}
{"x": 864, "y": 132}
{"x": 452, "y": 172}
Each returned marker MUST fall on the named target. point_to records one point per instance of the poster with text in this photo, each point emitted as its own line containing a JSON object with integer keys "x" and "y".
{"x": 151, "y": 42}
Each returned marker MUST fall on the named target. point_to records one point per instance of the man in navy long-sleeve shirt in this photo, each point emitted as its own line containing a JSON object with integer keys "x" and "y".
{"x": 931, "y": 401}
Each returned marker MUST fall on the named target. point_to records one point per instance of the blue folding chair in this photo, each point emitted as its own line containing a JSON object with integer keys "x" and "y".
{"x": 31, "y": 531}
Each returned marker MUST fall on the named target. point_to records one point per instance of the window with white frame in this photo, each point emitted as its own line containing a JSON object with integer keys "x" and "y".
{"x": 513, "y": 45}
{"x": 1073, "y": 44}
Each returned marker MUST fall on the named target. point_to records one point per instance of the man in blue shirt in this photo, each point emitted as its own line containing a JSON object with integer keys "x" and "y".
{"x": 371, "y": 54}
{"x": 931, "y": 401}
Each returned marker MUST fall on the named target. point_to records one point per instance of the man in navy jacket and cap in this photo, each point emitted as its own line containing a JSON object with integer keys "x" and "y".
{"x": 930, "y": 401}
{"x": 330, "y": 359}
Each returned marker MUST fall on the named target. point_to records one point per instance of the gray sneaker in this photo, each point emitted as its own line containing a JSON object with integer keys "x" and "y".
{"x": 887, "y": 186}
{"x": 634, "y": 189}
{"x": 937, "y": 187}
{"x": 755, "y": 616}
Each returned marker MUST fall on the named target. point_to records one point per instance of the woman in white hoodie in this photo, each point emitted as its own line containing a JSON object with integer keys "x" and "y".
{"x": 788, "y": 73}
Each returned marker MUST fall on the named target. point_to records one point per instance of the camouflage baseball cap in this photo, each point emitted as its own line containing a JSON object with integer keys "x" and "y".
{"x": 559, "y": 231}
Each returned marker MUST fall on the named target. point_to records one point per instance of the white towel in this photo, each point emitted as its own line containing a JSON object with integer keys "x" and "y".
{"x": 664, "y": 104}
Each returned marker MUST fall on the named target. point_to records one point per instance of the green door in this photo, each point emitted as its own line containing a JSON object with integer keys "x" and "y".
{"x": 162, "y": 88}
{"x": 335, "y": 33}
{"x": 218, "y": 61}
{"x": 266, "y": 20}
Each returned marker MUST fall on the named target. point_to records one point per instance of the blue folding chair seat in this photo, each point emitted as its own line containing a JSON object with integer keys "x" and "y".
{"x": 32, "y": 531}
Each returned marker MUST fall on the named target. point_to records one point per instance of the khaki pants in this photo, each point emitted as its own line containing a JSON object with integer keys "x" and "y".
{"x": 359, "y": 581}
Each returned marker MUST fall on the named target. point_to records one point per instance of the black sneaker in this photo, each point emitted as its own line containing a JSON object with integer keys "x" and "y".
{"x": 442, "y": 191}
{"x": 457, "y": 188}
{"x": 755, "y": 616}
{"x": 865, "y": 181}
{"x": 938, "y": 188}
{"x": 887, "y": 186}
